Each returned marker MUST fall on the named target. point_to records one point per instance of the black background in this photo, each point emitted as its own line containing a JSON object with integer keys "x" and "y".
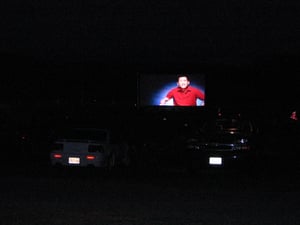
{"x": 72, "y": 51}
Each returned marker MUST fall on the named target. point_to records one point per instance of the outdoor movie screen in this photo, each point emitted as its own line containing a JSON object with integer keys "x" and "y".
{"x": 172, "y": 90}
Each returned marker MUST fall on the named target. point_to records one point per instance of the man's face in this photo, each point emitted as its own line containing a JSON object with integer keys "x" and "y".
{"x": 183, "y": 82}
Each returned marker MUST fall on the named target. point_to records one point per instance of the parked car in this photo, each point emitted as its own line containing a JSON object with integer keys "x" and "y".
{"x": 223, "y": 142}
{"x": 89, "y": 147}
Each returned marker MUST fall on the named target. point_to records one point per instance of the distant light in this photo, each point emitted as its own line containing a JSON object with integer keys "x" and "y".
{"x": 294, "y": 115}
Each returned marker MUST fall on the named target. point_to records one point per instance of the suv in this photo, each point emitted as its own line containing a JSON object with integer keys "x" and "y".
{"x": 222, "y": 142}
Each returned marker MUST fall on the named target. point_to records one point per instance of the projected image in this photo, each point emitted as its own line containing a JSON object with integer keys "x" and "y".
{"x": 171, "y": 90}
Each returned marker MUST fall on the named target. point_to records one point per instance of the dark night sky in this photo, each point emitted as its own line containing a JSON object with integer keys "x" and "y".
{"x": 252, "y": 46}
{"x": 142, "y": 31}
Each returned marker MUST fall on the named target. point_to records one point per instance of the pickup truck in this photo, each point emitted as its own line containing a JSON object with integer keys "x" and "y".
{"x": 89, "y": 147}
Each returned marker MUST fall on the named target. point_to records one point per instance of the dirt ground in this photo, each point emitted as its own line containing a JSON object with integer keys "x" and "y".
{"x": 153, "y": 197}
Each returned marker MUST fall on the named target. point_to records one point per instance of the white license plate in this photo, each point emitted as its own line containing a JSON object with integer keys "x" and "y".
{"x": 74, "y": 160}
{"x": 215, "y": 161}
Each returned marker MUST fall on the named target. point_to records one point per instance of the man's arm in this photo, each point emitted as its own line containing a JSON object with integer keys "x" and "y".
{"x": 200, "y": 94}
{"x": 164, "y": 101}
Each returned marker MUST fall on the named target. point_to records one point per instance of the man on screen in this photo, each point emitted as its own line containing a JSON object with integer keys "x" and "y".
{"x": 184, "y": 94}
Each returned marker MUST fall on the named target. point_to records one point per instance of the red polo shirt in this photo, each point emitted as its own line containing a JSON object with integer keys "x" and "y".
{"x": 185, "y": 97}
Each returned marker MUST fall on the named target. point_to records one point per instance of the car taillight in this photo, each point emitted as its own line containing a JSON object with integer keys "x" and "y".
{"x": 57, "y": 156}
{"x": 90, "y": 157}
